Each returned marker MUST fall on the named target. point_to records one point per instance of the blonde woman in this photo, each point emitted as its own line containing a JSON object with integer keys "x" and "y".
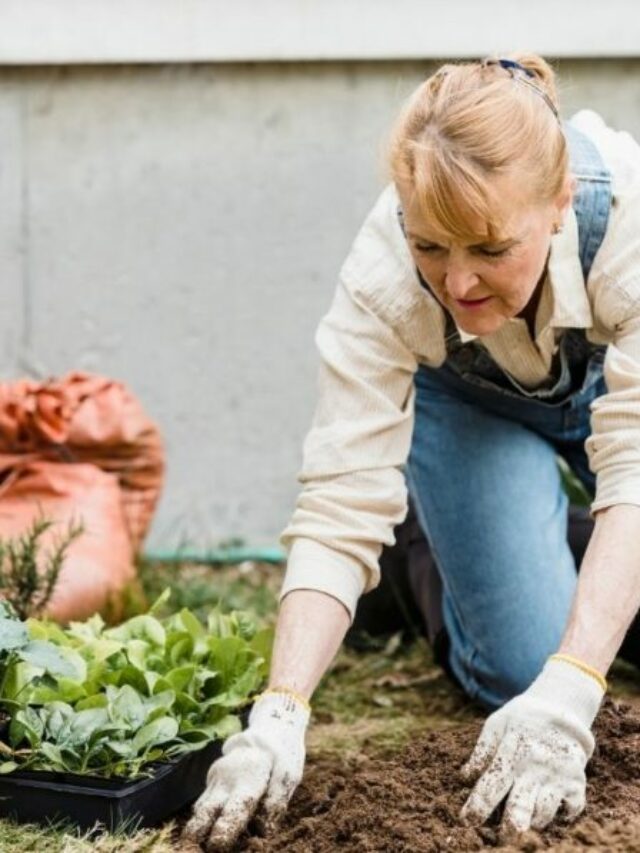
{"x": 486, "y": 321}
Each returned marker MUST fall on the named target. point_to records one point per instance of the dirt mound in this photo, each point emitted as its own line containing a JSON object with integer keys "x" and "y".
{"x": 411, "y": 802}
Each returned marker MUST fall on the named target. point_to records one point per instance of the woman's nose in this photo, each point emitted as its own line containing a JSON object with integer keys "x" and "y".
{"x": 460, "y": 279}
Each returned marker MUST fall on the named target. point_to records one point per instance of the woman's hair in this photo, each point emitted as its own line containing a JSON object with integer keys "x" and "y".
{"x": 469, "y": 123}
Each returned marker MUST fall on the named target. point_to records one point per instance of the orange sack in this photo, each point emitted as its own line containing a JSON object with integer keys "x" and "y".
{"x": 80, "y": 449}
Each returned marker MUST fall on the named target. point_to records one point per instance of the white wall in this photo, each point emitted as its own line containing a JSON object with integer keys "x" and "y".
{"x": 181, "y": 227}
{"x": 98, "y": 31}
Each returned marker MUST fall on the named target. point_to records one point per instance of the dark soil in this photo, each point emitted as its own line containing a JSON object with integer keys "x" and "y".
{"x": 410, "y": 803}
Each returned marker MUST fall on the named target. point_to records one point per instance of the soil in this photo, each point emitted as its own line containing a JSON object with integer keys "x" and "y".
{"x": 411, "y": 802}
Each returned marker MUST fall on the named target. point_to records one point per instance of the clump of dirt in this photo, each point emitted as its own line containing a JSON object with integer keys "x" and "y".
{"x": 412, "y": 802}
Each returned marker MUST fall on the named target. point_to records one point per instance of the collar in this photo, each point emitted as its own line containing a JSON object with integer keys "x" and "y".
{"x": 571, "y": 308}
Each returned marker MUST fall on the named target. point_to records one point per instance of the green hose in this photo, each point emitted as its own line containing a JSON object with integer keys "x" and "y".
{"x": 218, "y": 555}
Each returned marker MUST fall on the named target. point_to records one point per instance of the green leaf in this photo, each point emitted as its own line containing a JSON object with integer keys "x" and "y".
{"x": 7, "y": 610}
{"x": 262, "y": 645}
{"x": 219, "y": 625}
{"x": 155, "y": 754}
{"x": 181, "y": 647}
{"x": 64, "y": 690}
{"x": 85, "y": 724}
{"x": 123, "y": 748}
{"x": 87, "y": 631}
{"x": 138, "y": 680}
{"x": 186, "y": 704}
{"x": 223, "y": 728}
{"x": 98, "y": 700}
{"x": 58, "y": 715}
{"x": 180, "y": 677}
{"x": 161, "y": 685}
{"x": 137, "y": 652}
{"x": 126, "y": 707}
{"x": 156, "y": 662}
{"x": 159, "y": 731}
{"x": 41, "y": 629}
{"x": 13, "y": 634}
{"x": 239, "y": 689}
{"x": 240, "y": 671}
{"x": 184, "y": 650}
{"x": 101, "y": 649}
{"x": 54, "y": 756}
{"x": 31, "y": 727}
{"x": 19, "y": 678}
{"x": 208, "y": 681}
{"x": 143, "y": 627}
{"x": 191, "y": 623}
{"x": 159, "y": 704}
{"x": 46, "y": 655}
{"x": 150, "y": 680}
{"x": 17, "y": 732}
{"x": 8, "y": 766}
{"x": 243, "y": 624}
{"x": 160, "y": 601}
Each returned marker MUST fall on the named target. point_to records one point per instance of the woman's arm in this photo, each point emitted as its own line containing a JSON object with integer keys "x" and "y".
{"x": 311, "y": 627}
{"x": 608, "y": 594}
{"x": 536, "y": 746}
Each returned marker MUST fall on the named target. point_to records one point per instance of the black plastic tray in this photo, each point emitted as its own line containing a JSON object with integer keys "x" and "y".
{"x": 43, "y": 797}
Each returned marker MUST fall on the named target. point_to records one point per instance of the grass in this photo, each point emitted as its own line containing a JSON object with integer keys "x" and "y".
{"x": 371, "y": 701}
{"x": 24, "y": 838}
{"x": 375, "y": 701}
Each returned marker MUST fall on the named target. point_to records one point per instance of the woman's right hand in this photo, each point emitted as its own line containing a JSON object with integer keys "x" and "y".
{"x": 259, "y": 771}
{"x": 261, "y": 766}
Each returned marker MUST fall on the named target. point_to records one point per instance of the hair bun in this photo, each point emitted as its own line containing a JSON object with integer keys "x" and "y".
{"x": 544, "y": 74}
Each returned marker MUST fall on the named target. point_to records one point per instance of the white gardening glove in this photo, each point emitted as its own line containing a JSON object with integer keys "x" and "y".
{"x": 260, "y": 766}
{"x": 535, "y": 749}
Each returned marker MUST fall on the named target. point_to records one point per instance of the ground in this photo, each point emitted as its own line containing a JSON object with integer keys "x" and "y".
{"x": 366, "y": 710}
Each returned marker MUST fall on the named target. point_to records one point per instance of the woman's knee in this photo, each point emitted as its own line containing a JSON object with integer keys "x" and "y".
{"x": 497, "y": 671}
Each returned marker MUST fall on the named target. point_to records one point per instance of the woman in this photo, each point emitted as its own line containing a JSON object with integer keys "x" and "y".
{"x": 490, "y": 302}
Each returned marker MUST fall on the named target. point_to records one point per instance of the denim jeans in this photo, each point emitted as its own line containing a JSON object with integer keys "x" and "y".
{"x": 484, "y": 480}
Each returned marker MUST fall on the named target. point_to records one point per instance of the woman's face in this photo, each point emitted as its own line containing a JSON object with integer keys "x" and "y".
{"x": 483, "y": 285}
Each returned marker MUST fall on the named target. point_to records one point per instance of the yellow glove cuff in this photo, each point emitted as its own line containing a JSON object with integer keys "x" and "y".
{"x": 584, "y": 667}
{"x": 286, "y": 691}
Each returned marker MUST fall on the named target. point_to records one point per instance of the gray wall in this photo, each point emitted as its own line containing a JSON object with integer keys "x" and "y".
{"x": 181, "y": 228}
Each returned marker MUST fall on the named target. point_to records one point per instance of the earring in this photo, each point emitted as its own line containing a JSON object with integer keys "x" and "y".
{"x": 558, "y": 228}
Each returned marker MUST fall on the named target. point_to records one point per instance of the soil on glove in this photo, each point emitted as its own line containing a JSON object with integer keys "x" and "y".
{"x": 411, "y": 802}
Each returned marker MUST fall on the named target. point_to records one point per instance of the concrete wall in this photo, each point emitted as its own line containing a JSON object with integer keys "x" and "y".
{"x": 181, "y": 227}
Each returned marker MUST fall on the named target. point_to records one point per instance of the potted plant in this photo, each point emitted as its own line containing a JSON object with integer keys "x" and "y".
{"x": 119, "y": 724}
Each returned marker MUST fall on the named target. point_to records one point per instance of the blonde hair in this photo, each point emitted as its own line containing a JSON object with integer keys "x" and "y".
{"x": 472, "y": 122}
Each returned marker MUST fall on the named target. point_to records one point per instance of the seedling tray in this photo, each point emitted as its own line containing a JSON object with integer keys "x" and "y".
{"x": 43, "y": 797}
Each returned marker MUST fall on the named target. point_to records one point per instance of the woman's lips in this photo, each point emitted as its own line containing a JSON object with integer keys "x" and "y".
{"x": 471, "y": 304}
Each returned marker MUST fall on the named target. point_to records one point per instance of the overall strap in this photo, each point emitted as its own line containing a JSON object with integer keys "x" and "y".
{"x": 592, "y": 196}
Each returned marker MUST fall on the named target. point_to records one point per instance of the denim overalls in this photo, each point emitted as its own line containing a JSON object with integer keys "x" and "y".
{"x": 484, "y": 480}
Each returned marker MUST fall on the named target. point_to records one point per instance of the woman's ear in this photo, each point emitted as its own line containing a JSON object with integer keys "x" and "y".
{"x": 562, "y": 204}
{"x": 565, "y": 197}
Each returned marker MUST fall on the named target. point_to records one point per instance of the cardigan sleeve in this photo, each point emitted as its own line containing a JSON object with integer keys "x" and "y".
{"x": 353, "y": 487}
{"x": 614, "y": 445}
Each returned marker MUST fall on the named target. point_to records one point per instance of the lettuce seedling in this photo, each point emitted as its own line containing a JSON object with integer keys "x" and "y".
{"x": 103, "y": 701}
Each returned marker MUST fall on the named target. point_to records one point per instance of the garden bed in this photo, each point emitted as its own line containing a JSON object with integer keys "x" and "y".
{"x": 410, "y": 803}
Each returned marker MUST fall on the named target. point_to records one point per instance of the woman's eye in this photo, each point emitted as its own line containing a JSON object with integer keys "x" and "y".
{"x": 494, "y": 253}
{"x": 427, "y": 249}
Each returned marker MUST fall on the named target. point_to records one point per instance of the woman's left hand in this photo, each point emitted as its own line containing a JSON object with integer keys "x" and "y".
{"x": 534, "y": 750}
